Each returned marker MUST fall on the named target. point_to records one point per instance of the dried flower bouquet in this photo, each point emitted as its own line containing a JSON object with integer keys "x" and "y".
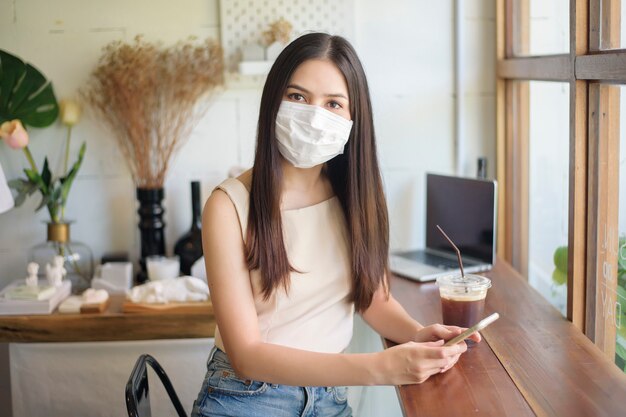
{"x": 152, "y": 97}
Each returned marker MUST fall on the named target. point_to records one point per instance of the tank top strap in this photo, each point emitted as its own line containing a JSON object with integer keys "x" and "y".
{"x": 240, "y": 196}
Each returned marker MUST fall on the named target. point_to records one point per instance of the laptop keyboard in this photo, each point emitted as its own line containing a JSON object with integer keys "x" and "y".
{"x": 432, "y": 259}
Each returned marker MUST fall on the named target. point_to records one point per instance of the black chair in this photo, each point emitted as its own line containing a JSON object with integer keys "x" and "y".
{"x": 137, "y": 395}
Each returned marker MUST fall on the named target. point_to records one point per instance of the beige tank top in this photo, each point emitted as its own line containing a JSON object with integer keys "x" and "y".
{"x": 316, "y": 314}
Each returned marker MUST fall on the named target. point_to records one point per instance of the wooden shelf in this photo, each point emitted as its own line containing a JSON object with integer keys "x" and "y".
{"x": 111, "y": 325}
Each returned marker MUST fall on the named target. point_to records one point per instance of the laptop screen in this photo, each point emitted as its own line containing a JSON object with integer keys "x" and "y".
{"x": 466, "y": 210}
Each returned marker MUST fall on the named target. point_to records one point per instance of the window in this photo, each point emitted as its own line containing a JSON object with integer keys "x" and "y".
{"x": 548, "y": 179}
{"x": 620, "y": 348}
{"x": 547, "y": 23}
{"x": 561, "y": 78}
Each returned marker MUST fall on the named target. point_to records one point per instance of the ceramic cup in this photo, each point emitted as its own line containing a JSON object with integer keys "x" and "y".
{"x": 162, "y": 267}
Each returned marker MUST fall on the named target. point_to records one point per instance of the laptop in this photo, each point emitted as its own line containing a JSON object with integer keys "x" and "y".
{"x": 465, "y": 208}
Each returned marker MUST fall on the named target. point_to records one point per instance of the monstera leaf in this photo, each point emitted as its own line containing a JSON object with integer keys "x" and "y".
{"x": 25, "y": 93}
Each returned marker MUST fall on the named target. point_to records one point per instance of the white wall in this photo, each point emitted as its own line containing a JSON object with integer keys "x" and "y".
{"x": 410, "y": 77}
{"x": 479, "y": 86}
{"x": 407, "y": 50}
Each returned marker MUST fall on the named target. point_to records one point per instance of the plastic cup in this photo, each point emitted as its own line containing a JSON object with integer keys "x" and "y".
{"x": 462, "y": 299}
{"x": 162, "y": 267}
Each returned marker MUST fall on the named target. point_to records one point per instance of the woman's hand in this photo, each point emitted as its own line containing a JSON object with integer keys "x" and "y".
{"x": 414, "y": 363}
{"x": 436, "y": 332}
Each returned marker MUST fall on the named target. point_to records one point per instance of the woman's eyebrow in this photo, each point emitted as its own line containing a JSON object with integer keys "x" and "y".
{"x": 297, "y": 87}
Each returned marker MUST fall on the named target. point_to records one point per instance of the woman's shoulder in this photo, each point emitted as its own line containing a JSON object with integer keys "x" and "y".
{"x": 236, "y": 187}
{"x": 246, "y": 179}
{"x": 232, "y": 185}
{"x": 222, "y": 213}
{"x": 230, "y": 197}
{"x": 218, "y": 202}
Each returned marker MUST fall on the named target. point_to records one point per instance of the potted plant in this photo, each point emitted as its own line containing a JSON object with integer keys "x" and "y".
{"x": 27, "y": 100}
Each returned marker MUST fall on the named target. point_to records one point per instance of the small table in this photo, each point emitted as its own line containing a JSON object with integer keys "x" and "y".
{"x": 532, "y": 361}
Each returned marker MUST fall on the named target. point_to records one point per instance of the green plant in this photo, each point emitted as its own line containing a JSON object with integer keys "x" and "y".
{"x": 25, "y": 94}
{"x": 559, "y": 276}
{"x": 27, "y": 98}
{"x": 620, "y": 350}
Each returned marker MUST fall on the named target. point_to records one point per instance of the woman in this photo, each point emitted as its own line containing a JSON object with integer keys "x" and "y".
{"x": 296, "y": 245}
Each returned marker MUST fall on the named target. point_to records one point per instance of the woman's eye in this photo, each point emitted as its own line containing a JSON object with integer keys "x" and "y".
{"x": 296, "y": 97}
{"x": 334, "y": 105}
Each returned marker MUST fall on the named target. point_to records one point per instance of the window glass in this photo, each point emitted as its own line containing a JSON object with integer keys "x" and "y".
{"x": 547, "y": 28}
{"x": 548, "y": 191}
{"x": 620, "y": 310}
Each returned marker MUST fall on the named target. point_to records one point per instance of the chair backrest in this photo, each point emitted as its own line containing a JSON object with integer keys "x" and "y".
{"x": 137, "y": 391}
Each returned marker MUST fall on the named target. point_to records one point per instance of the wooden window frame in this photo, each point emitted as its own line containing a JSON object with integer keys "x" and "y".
{"x": 593, "y": 139}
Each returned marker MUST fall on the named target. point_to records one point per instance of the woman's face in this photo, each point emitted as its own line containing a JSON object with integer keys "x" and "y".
{"x": 320, "y": 83}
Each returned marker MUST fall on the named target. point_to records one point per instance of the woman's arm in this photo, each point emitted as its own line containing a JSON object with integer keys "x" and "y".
{"x": 390, "y": 320}
{"x": 233, "y": 304}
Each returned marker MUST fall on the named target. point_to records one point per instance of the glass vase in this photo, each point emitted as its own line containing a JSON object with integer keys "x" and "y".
{"x": 189, "y": 246}
{"x": 77, "y": 257}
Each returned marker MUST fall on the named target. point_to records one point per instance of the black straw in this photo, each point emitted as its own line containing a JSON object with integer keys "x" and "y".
{"x": 458, "y": 252}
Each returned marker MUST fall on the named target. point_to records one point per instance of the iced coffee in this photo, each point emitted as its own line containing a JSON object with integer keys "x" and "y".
{"x": 462, "y": 298}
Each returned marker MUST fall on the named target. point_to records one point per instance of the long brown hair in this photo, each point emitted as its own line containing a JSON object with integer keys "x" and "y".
{"x": 354, "y": 175}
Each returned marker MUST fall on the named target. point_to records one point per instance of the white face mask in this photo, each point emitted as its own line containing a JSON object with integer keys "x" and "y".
{"x": 309, "y": 135}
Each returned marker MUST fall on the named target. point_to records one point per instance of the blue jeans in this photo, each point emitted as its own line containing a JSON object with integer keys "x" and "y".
{"x": 225, "y": 394}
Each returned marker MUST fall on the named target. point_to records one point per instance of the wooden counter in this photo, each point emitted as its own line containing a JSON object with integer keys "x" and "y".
{"x": 532, "y": 360}
{"x": 111, "y": 325}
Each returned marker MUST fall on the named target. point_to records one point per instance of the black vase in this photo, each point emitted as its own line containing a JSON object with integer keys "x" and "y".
{"x": 189, "y": 246}
{"x": 151, "y": 226}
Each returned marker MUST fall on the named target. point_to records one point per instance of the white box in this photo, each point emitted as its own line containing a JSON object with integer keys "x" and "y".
{"x": 118, "y": 274}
